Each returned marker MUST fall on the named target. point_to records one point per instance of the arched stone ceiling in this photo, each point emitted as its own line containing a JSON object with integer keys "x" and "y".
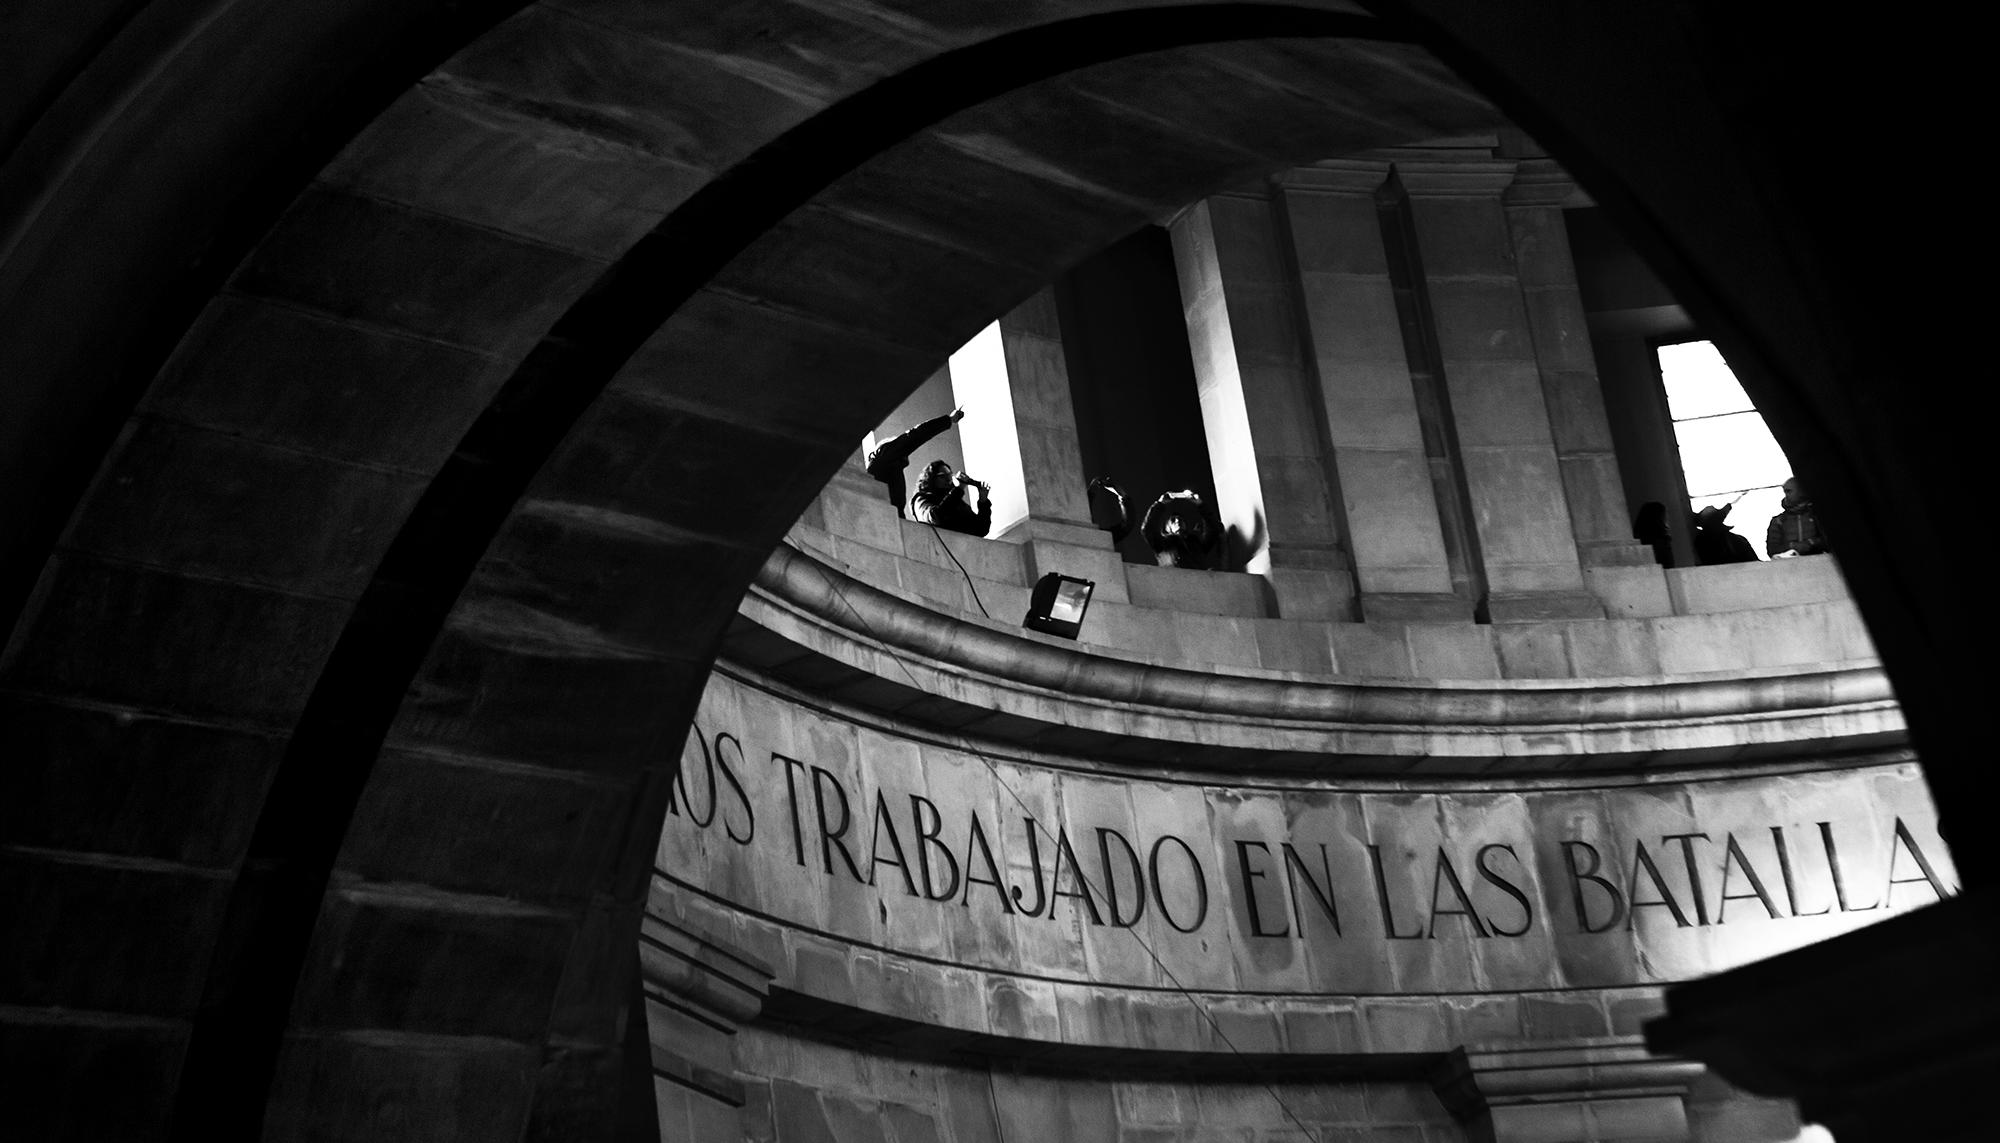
{"x": 447, "y": 359}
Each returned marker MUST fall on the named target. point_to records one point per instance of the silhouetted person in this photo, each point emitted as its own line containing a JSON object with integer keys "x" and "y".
{"x": 892, "y": 456}
{"x": 1715, "y": 542}
{"x": 1176, "y": 528}
{"x": 940, "y": 500}
{"x": 1794, "y": 531}
{"x": 1650, "y": 525}
{"x": 1108, "y": 509}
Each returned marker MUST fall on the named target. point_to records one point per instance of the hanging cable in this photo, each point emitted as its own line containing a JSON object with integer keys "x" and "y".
{"x": 961, "y": 570}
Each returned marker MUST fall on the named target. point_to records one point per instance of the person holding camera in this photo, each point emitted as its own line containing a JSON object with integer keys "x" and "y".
{"x": 940, "y": 500}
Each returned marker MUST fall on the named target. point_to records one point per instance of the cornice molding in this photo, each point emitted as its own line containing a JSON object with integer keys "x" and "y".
{"x": 880, "y": 650}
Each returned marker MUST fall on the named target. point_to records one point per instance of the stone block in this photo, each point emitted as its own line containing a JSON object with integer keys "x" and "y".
{"x": 1482, "y": 321}
{"x": 1392, "y": 520}
{"x": 1612, "y": 648}
{"x": 297, "y": 522}
{"x": 1751, "y": 586}
{"x": 1407, "y": 1103}
{"x": 1053, "y": 471}
{"x": 1336, "y": 233}
{"x": 1240, "y": 1105}
{"x": 941, "y": 587}
{"x": 1533, "y": 652}
{"x": 1563, "y": 1017}
{"x": 1260, "y": 318}
{"x": 157, "y": 635}
{"x": 1023, "y": 1008}
{"x": 797, "y": 1114}
{"x": 1294, "y": 645}
{"x": 469, "y": 826}
{"x": 882, "y": 281}
{"x": 1102, "y": 566}
{"x": 763, "y": 366}
{"x": 1479, "y": 1020}
{"x": 1246, "y": 238}
{"x": 1301, "y": 593}
{"x": 1278, "y": 395}
{"x": 366, "y": 259}
{"x": 1370, "y": 405}
{"x": 927, "y": 184}
{"x": 1144, "y": 631}
{"x": 1248, "y": 1026}
{"x": 968, "y": 1106}
{"x": 1459, "y": 235}
{"x": 454, "y": 154}
{"x": 1541, "y": 606}
{"x": 415, "y": 961}
{"x": 151, "y": 933}
{"x": 1321, "y": 1028}
{"x": 1452, "y": 651}
{"x": 564, "y": 706}
{"x": 1161, "y": 1104}
{"x": 638, "y": 92}
{"x": 113, "y": 781}
{"x": 396, "y": 1091}
{"x": 1524, "y": 527}
{"x": 1053, "y": 1109}
{"x": 1352, "y": 318}
{"x": 985, "y": 559}
{"x": 1847, "y": 633}
{"x": 1399, "y": 1024}
{"x": 356, "y": 392}
{"x": 869, "y": 564}
{"x": 1597, "y": 511}
{"x": 1630, "y": 592}
{"x": 1298, "y": 506}
{"x": 1371, "y": 650}
{"x": 1196, "y": 592}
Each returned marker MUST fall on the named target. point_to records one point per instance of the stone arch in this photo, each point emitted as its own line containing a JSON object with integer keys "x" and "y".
{"x": 544, "y": 627}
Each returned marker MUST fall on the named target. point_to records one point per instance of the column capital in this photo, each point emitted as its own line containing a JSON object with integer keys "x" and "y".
{"x": 1543, "y": 182}
{"x": 1479, "y": 178}
{"x": 1337, "y": 176}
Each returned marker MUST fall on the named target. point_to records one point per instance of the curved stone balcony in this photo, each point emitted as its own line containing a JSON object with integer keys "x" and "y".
{"x": 1697, "y": 666}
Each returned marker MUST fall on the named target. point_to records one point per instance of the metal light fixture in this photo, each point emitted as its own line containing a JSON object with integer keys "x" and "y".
{"x": 1058, "y": 604}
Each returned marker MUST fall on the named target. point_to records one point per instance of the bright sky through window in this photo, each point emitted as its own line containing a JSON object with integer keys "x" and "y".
{"x": 1727, "y": 453}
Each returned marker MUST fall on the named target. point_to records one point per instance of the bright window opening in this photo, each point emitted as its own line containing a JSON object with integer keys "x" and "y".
{"x": 1728, "y": 455}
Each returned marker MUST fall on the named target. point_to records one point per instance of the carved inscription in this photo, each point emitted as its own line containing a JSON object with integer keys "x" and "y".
{"x": 1461, "y": 885}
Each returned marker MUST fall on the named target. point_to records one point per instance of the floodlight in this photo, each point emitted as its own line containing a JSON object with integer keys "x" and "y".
{"x": 1058, "y": 604}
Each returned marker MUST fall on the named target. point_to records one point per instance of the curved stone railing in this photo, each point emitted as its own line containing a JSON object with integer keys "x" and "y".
{"x": 948, "y": 660}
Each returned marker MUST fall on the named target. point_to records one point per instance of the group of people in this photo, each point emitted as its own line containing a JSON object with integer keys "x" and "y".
{"x": 1176, "y": 527}
{"x": 1794, "y": 531}
{"x": 1178, "y": 530}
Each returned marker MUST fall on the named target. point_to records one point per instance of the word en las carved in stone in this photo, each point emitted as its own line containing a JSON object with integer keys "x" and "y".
{"x": 1488, "y": 890}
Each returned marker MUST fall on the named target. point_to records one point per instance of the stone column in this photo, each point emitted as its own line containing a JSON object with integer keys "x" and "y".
{"x": 1057, "y": 534}
{"x": 1374, "y": 432}
{"x": 1260, "y": 402}
{"x": 1598, "y": 511}
{"x": 1507, "y": 451}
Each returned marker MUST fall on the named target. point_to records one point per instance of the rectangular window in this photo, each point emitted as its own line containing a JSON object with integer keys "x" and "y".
{"x": 1728, "y": 455}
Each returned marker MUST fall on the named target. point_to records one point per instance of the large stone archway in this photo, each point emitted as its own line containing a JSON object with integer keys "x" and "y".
{"x": 374, "y": 524}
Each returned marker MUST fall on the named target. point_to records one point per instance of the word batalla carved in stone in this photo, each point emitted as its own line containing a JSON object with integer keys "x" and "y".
{"x": 1293, "y": 887}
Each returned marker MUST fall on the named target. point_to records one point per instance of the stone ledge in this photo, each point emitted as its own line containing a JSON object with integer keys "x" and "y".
{"x": 1609, "y": 1089}
{"x": 809, "y": 588}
